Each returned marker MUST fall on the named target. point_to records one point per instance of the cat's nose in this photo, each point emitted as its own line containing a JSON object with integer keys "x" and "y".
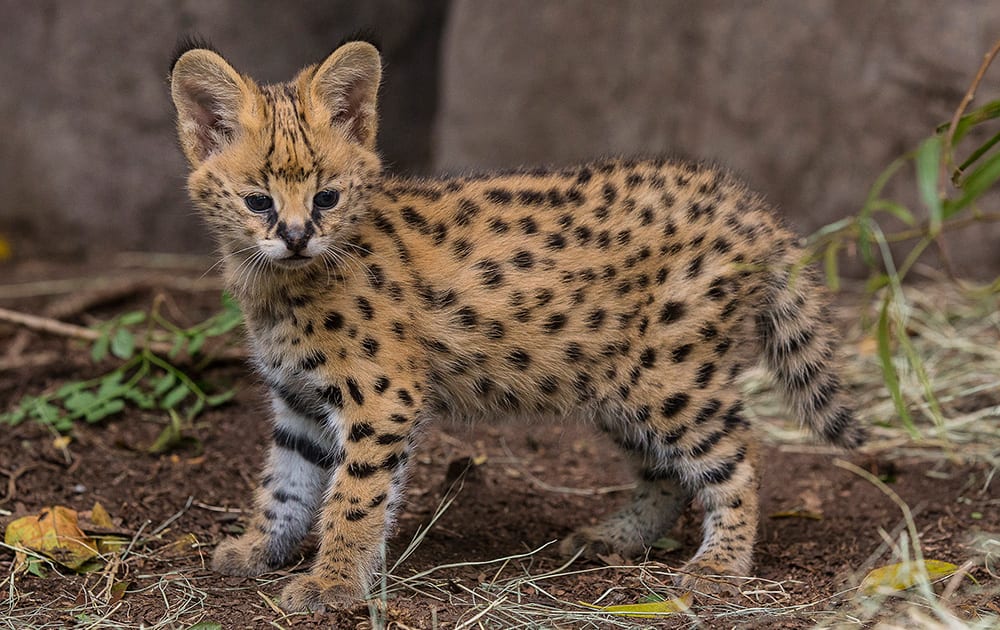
{"x": 296, "y": 235}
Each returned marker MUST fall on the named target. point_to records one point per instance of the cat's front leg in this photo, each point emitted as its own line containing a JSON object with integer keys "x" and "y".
{"x": 360, "y": 503}
{"x": 301, "y": 461}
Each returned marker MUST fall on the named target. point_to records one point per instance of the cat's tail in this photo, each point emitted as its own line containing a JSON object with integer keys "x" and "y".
{"x": 798, "y": 344}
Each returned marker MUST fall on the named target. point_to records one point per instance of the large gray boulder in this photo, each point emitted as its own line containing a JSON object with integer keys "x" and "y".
{"x": 807, "y": 100}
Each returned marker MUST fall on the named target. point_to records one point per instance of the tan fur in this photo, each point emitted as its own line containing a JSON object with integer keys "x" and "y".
{"x": 626, "y": 293}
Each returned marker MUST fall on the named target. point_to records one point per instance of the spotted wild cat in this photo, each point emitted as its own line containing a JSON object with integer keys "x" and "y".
{"x": 628, "y": 294}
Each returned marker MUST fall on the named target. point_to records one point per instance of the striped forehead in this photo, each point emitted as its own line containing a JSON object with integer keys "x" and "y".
{"x": 290, "y": 156}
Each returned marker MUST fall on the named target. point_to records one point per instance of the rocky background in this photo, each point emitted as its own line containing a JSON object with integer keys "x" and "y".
{"x": 807, "y": 100}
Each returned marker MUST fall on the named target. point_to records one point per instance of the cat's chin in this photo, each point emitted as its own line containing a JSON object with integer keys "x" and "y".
{"x": 293, "y": 262}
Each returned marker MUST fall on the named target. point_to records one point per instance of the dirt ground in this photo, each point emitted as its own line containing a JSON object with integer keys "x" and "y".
{"x": 522, "y": 487}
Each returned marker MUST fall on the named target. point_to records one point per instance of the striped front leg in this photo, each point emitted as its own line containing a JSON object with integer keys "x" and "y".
{"x": 304, "y": 453}
{"x": 360, "y": 504}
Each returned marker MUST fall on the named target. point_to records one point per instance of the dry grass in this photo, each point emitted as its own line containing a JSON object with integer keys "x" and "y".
{"x": 957, "y": 335}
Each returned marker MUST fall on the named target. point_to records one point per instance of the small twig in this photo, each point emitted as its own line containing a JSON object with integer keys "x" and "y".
{"x": 72, "y": 285}
{"x": 34, "y": 360}
{"x": 62, "y": 329}
{"x": 216, "y": 508}
{"x": 966, "y": 100}
{"x": 12, "y": 478}
{"x": 165, "y": 524}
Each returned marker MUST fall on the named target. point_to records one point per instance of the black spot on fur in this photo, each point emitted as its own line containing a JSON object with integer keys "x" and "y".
{"x": 519, "y": 358}
{"x": 704, "y": 375}
{"x": 648, "y": 358}
{"x": 674, "y": 404}
{"x": 365, "y": 307}
{"x": 313, "y": 360}
{"x": 499, "y": 196}
{"x": 360, "y": 431}
{"x": 523, "y": 259}
{"x": 671, "y": 312}
{"x": 333, "y": 396}
{"x": 333, "y": 321}
{"x": 355, "y": 391}
{"x": 555, "y": 322}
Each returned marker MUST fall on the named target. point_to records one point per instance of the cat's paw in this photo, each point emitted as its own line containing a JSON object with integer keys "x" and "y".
{"x": 711, "y": 579}
{"x": 314, "y": 593}
{"x": 596, "y": 541}
{"x": 246, "y": 556}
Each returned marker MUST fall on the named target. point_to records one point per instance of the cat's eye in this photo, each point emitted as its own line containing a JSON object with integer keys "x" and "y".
{"x": 257, "y": 202}
{"x": 325, "y": 199}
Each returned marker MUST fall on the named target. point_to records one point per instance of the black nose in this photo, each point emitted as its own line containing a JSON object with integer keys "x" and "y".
{"x": 296, "y": 236}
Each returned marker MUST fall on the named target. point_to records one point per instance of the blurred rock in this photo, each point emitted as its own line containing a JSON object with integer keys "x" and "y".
{"x": 88, "y": 158}
{"x": 808, "y": 100}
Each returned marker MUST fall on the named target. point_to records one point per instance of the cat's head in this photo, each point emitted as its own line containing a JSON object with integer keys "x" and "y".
{"x": 279, "y": 172}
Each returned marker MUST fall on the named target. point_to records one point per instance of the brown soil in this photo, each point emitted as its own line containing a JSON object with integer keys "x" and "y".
{"x": 513, "y": 500}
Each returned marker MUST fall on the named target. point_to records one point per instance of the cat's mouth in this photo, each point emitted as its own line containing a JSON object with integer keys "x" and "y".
{"x": 295, "y": 261}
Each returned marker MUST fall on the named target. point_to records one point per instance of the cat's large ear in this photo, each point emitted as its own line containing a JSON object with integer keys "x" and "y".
{"x": 208, "y": 95}
{"x": 346, "y": 87}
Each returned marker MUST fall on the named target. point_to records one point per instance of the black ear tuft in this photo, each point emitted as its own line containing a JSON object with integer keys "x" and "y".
{"x": 366, "y": 34}
{"x": 190, "y": 42}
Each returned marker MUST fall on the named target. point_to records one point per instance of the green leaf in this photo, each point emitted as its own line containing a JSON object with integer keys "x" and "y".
{"x": 968, "y": 121}
{"x": 877, "y": 282}
{"x": 218, "y": 399}
{"x": 132, "y": 318}
{"x": 141, "y": 398}
{"x": 889, "y": 374}
{"x": 99, "y": 351}
{"x": 80, "y": 402}
{"x": 197, "y": 341}
{"x": 175, "y": 396}
{"x": 830, "y": 265}
{"x": 69, "y": 389}
{"x": 178, "y": 345}
{"x": 164, "y": 383}
{"x": 975, "y": 184}
{"x": 928, "y": 161}
{"x": 897, "y": 210}
{"x": 980, "y": 151}
{"x": 195, "y": 408}
{"x": 14, "y": 417}
{"x": 169, "y": 437}
{"x": 123, "y": 344}
{"x": 206, "y": 625}
{"x": 45, "y": 412}
{"x": 107, "y": 409}
{"x": 111, "y": 385}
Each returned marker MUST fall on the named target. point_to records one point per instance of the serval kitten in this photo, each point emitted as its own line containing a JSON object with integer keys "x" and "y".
{"x": 628, "y": 294}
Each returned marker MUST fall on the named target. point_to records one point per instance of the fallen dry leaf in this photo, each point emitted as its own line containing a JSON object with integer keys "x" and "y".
{"x": 901, "y": 576}
{"x": 647, "y": 610}
{"x": 53, "y": 532}
{"x": 100, "y": 517}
